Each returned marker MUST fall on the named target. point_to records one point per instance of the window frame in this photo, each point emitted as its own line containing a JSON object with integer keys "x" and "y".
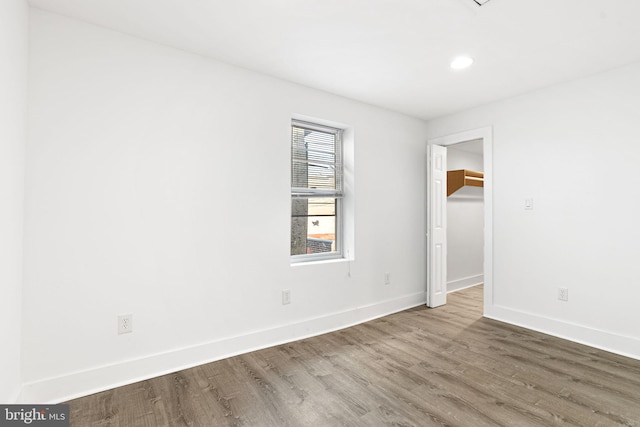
{"x": 309, "y": 193}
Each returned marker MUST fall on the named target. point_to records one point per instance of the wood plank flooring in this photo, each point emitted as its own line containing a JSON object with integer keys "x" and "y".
{"x": 421, "y": 367}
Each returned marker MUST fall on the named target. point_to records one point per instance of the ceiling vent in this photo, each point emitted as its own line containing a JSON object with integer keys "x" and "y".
{"x": 480, "y": 2}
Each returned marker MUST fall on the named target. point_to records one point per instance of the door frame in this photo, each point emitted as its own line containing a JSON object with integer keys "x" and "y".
{"x": 486, "y": 134}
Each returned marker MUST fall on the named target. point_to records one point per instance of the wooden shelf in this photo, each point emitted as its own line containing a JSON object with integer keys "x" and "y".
{"x": 459, "y": 178}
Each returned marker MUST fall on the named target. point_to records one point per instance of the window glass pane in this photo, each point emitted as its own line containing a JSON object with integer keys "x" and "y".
{"x": 313, "y": 159}
{"x": 299, "y": 175}
{"x": 316, "y": 190}
{"x": 313, "y": 225}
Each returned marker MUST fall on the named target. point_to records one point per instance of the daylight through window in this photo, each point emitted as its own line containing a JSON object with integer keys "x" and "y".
{"x": 316, "y": 191}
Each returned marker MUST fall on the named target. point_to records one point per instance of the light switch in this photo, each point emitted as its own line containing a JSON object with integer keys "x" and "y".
{"x": 528, "y": 204}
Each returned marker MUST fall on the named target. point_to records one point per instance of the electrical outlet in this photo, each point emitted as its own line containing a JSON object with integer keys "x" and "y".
{"x": 125, "y": 324}
{"x": 563, "y": 294}
{"x": 286, "y": 296}
{"x": 387, "y": 278}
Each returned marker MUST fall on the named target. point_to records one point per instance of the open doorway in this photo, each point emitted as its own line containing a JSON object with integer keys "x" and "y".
{"x": 437, "y": 251}
{"x": 465, "y": 218}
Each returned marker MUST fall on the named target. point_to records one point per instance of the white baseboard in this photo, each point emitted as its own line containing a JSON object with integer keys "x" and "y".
{"x": 465, "y": 282}
{"x": 603, "y": 340}
{"x": 82, "y": 383}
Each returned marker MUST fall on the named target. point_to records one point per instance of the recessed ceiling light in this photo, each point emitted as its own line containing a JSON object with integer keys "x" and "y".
{"x": 461, "y": 62}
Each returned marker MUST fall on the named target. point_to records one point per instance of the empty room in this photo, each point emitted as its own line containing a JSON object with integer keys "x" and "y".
{"x": 319, "y": 213}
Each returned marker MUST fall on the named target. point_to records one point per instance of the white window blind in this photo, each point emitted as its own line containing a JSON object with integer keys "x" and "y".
{"x": 316, "y": 153}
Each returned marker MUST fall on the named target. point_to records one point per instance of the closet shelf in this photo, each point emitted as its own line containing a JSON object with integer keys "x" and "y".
{"x": 459, "y": 178}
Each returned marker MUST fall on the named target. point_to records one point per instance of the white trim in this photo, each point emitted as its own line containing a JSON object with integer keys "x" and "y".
{"x": 312, "y": 125}
{"x": 465, "y": 282}
{"x": 597, "y": 338}
{"x": 82, "y": 383}
{"x": 486, "y": 134}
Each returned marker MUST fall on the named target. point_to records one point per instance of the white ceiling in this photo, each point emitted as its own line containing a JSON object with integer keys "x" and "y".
{"x": 390, "y": 53}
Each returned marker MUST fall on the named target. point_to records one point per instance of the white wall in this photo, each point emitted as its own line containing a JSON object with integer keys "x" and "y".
{"x": 465, "y": 224}
{"x": 574, "y": 149}
{"x": 158, "y": 184}
{"x": 13, "y": 86}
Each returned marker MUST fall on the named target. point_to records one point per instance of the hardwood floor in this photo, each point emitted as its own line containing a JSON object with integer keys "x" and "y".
{"x": 421, "y": 367}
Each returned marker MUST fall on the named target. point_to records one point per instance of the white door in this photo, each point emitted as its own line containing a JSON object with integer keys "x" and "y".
{"x": 437, "y": 235}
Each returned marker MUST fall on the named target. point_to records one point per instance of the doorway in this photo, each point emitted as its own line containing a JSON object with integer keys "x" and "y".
{"x": 465, "y": 214}
{"x": 437, "y": 258}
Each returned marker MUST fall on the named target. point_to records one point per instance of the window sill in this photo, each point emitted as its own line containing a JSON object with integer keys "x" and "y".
{"x": 319, "y": 261}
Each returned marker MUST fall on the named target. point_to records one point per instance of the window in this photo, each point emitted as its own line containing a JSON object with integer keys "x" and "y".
{"x": 316, "y": 191}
